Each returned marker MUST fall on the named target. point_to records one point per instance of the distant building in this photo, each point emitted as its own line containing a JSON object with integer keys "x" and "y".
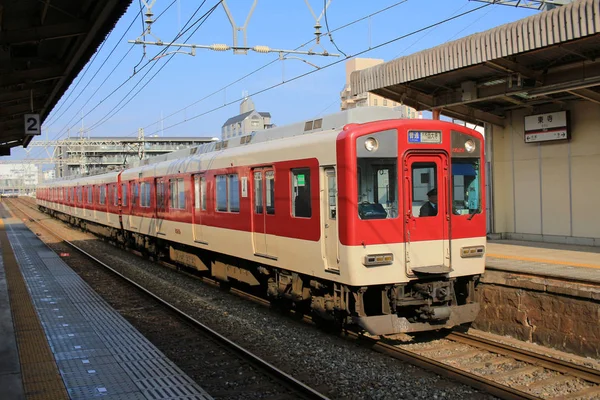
{"x": 82, "y": 156}
{"x": 18, "y": 178}
{"x": 369, "y": 99}
{"x": 48, "y": 175}
{"x": 249, "y": 120}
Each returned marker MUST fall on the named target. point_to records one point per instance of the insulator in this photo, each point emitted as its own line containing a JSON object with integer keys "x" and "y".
{"x": 219, "y": 47}
{"x": 261, "y": 49}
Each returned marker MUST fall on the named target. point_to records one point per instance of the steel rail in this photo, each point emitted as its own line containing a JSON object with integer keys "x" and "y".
{"x": 287, "y": 379}
{"x": 476, "y": 381}
{"x": 554, "y": 364}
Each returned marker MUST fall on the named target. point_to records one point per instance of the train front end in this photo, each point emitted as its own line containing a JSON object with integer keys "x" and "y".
{"x": 413, "y": 231}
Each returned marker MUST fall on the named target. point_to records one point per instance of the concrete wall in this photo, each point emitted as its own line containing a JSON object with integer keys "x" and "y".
{"x": 549, "y": 312}
{"x": 548, "y": 191}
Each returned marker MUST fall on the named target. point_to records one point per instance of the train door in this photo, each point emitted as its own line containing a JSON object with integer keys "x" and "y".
{"x": 330, "y": 227}
{"x": 426, "y": 216}
{"x": 263, "y": 212}
{"x": 199, "y": 207}
{"x": 161, "y": 205}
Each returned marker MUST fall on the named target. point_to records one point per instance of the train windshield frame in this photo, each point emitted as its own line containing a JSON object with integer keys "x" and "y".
{"x": 467, "y": 190}
{"x": 377, "y": 175}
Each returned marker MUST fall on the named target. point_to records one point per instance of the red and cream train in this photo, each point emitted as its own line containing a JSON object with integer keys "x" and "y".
{"x": 329, "y": 214}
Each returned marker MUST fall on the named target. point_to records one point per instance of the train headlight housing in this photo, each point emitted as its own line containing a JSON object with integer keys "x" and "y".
{"x": 470, "y": 146}
{"x": 472, "y": 251}
{"x": 371, "y": 144}
{"x": 378, "y": 259}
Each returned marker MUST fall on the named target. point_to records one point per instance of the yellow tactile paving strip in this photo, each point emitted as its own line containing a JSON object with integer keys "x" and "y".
{"x": 41, "y": 379}
{"x": 543, "y": 261}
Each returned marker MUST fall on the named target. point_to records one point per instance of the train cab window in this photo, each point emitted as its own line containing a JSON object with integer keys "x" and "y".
{"x": 424, "y": 189}
{"x": 177, "y": 188}
{"x": 301, "y": 206}
{"x": 124, "y": 194}
{"x": 466, "y": 187}
{"x": 377, "y": 174}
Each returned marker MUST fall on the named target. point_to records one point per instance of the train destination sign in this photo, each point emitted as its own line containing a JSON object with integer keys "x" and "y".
{"x": 426, "y": 137}
{"x": 547, "y": 127}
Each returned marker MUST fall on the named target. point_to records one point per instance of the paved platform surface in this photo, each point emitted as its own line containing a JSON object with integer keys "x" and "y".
{"x": 97, "y": 353}
{"x": 581, "y": 263}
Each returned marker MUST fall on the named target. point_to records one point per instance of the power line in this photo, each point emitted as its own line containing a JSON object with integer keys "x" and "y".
{"x": 200, "y": 22}
{"x": 271, "y": 63}
{"x": 101, "y": 66}
{"x": 97, "y": 71}
{"x": 116, "y": 89}
{"x": 328, "y": 31}
{"x": 331, "y": 64}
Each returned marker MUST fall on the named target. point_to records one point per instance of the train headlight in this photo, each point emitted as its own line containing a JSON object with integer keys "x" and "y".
{"x": 470, "y": 146}
{"x": 371, "y": 144}
{"x": 378, "y": 259}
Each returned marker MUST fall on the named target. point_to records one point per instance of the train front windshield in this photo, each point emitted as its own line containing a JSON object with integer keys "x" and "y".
{"x": 377, "y": 170}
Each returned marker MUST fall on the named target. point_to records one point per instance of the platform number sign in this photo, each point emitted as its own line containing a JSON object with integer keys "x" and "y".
{"x": 32, "y": 124}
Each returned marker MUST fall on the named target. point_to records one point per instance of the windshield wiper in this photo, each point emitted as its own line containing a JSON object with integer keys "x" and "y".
{"x": 471, "y": 215}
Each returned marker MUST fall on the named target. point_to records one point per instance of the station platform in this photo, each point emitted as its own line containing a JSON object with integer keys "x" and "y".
{"x": 61, "y": 340}
{"x": 570, "y": 262}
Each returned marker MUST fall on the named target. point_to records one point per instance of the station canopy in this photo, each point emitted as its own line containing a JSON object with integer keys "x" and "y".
{"x": 44, "y": 44}
{"x": 550, "y": 57}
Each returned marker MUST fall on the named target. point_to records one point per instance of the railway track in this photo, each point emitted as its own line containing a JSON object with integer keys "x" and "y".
{"x": 498, "y": 369}
{"x": 240, "y": 367}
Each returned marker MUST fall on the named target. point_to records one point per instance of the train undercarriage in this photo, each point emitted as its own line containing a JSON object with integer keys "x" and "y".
{"x": 430, "y": 303}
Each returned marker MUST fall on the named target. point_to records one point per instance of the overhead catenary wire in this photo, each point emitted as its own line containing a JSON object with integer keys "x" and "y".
{"x": 99, "y": 69}
{"x": 118, "y": 107}
{"x": 67, "y": 127}
{"x": 383, "y": 44}
{"x": 247, "y": 75}
{"x": 328, "y": 31}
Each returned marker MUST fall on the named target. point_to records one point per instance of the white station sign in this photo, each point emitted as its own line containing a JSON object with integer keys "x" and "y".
{"x": 547, "y": 127}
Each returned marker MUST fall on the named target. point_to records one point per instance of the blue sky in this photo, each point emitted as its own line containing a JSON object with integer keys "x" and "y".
{"x": 278, "y": 24}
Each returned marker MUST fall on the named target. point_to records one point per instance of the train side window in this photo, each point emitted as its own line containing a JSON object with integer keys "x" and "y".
{"x": 424, "y": 189}
{"x": 115, "y": 195}
{"x": 221, "y": 192}
{"x": 258, "y": 192}
{"x": 203, "y": 193}
{"x": 301, "y": 206}
{"x": 160, "y": 194}
{"x": 177, "y": 189}
{"x": 270, "y": 191}
{"x": 135, "y": 193}
{"x": 102, "y": 194}
{"x": 145, "y": 194}
{"x": 124, "y": 194}
{"x": 233, "y": 193}
{"x": 89, "y": 194}
{"x": 199, "y": 193}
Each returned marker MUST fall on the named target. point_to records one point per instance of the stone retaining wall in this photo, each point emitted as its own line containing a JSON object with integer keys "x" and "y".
{"x": 550, "y": 312}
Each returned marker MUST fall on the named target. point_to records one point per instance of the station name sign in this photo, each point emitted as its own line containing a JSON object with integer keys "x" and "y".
{"x": 547, "y": 127}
